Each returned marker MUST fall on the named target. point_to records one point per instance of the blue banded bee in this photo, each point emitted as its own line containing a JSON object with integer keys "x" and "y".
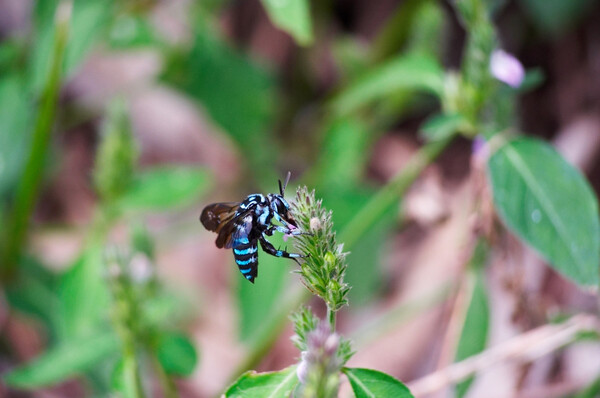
{"x": 240, "y": 226}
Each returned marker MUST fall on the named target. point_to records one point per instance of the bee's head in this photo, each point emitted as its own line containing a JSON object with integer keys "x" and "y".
{"x": 281, "y": 208}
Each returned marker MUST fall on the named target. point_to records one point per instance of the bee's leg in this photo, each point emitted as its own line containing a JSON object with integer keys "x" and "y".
{"x": 270, "y": 249}
{"x": 285, "y": 230}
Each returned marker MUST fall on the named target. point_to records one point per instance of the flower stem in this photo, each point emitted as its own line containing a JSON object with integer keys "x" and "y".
{"x": 331, "y": 318}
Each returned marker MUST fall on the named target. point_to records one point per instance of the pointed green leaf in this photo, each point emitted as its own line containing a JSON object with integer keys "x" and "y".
{"x": 344, "y": 153}
{"x": 413, "y": 72}
{"x": 83, "y": 295}
{"x": 475, "y": 328}
{"x": 369, "y": 383}
{"x": 293, "y": 16}
{"x": 443, "y": 126}
{"x": 165, "y": 187}
{"x": 549, "y": 204}
{"x": 33, "y": 292}
{"x": 176, "y": 354}
{"x": 264, "y": 385}
{"x": 66, "y": 360}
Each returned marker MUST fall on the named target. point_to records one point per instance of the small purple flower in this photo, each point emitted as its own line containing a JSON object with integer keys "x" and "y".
{"x": 321, "y": 354}
{"x": 479, "y": 144}
{"x": 506, "y": 68}
{"x": 302, "y": 369}
{"x": 481, "y": 150}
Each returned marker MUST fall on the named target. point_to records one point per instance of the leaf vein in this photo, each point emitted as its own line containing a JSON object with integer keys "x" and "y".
{"x": 546, "y": 204}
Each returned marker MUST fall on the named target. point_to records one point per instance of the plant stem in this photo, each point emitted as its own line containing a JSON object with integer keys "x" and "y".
{"x": 28, "y": 187}
{"x": 331, "y": 318}
{"x": 389, "y": 194}
{"x": 133, "y": 385}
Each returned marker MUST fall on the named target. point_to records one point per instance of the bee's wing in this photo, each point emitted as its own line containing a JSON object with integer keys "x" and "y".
{"x": 238, "y": 231}
{"x": 215, "y": 216}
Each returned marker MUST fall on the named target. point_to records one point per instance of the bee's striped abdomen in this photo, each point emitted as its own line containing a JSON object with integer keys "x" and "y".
{"x": 246, "y": 258}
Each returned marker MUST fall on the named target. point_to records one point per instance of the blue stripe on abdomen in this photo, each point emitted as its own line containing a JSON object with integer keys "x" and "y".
{"x": 248, "y": 250}
{"x": 245, "y": 270}
{"x": 242, "y": 262}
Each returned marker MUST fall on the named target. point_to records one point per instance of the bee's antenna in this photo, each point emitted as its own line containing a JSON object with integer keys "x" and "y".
{"x": 287, "y": 179}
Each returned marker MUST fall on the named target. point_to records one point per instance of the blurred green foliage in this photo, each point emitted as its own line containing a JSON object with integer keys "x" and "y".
{"x": 237, "y": 93}
{"x": 554, "y": 17}
{"x": 476, "y": 324}
{"x": 400, "y": 72}
{"x": 292, "y": 16}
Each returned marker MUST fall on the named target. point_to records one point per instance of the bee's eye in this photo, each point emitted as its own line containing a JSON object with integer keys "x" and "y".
{"x": 280, "y": 207}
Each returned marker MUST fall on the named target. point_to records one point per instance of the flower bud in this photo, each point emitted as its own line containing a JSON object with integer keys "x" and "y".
{"x": 506, "y": 68}
{"x": 116, "y": 155}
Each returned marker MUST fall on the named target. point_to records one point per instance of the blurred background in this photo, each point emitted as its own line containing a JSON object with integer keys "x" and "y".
{"x": 208, "y": 101}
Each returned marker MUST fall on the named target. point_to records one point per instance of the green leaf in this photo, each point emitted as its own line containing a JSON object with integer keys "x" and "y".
{"x": 238, "y": 94}
{"x": 257, "y": 300}
{"x": 264, "y": 385}
{"x": 443, "y": 126}
{"x": 415, "y": 25}
{"x": 534, "y": 78}
{"x": 177, "y": 354}
{"x": 131, "y": 31}
{"x": 413, "y": 72}
{"x": 15, "y": 131}
{"x": 162, "y": 310}
{"x": 83, "y": 295}
{"x": 364, "y": 262}
{"x": 475, "y": 328}
{"x": 591, "y": 391}
{"x": 34, "y": 292}
{"x": 117, "y": 376}
{"x": 293, "y": 16}
{"x": 556, "y": 16}
{"x": 165, "y": 187}
{"x": 66, "y": 360}
{"x": 369, "y": 383}
{"x": 548, "y": 204}
{"x": 344, "y": 153}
